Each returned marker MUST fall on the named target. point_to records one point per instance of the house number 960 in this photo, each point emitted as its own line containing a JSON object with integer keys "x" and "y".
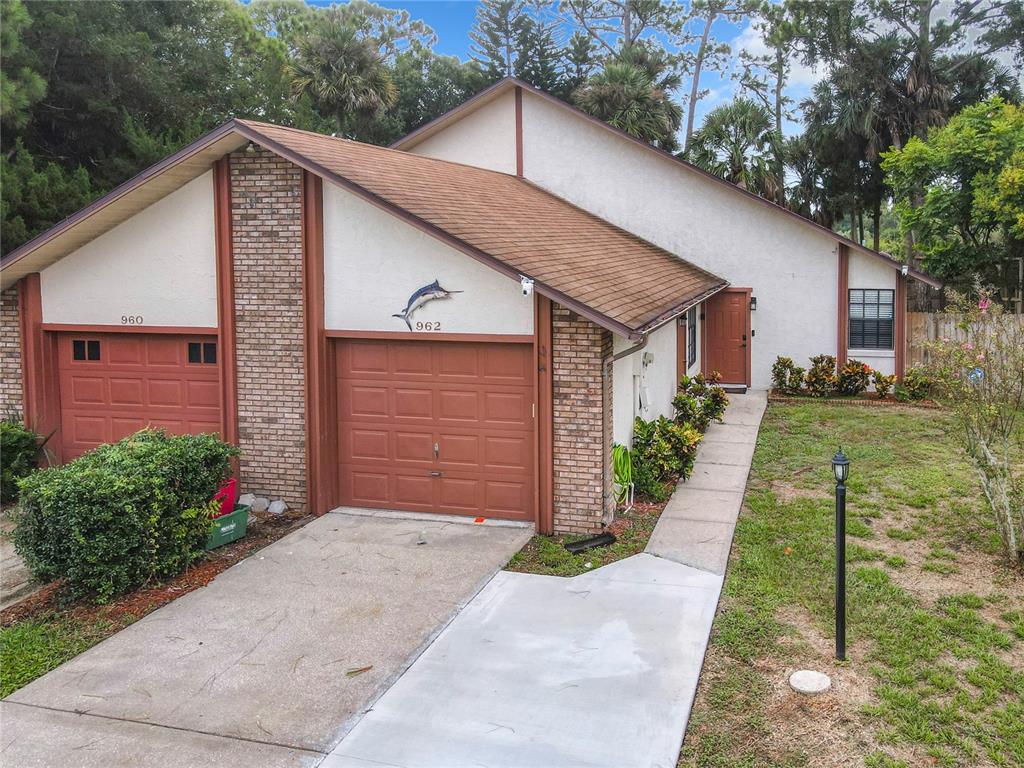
{"x": 131, "y": 319}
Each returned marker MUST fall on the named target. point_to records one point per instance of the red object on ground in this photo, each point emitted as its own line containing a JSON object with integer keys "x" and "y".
{"x": 227, "y": 495}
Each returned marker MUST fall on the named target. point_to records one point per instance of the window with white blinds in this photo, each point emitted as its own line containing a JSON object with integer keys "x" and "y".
{"x": 871, "y": 318}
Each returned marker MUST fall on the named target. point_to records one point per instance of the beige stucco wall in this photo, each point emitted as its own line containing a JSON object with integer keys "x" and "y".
{"x": 374, "y": 261}
{"x": 644, "y": 382}
{"x": 485, "y": 138}
{"x": 159, "y": 265}
{"x": 792, "y": 269}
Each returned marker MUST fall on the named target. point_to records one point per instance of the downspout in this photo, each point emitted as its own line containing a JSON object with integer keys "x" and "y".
{"x": 631, "y": 350}
{"x": 608, "y": 374}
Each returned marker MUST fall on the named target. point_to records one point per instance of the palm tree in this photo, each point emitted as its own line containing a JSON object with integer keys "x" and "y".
{"x": 345, "y": 75}
{"x": 634, "y": 93}
{"x": 738, "y": 142}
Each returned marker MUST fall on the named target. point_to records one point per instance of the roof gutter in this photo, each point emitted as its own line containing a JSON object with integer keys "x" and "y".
{"x": 632, "y": 350}
{"x": 670, "y": 314}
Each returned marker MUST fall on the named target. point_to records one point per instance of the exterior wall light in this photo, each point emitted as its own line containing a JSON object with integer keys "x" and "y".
{"x": 841, "y": 470}
{"x": 753, "y": 303}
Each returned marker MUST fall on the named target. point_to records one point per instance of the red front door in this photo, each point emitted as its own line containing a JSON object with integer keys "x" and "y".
{"x": 727, "y": 333}
{"x": 112, "y": 385}
{"x": 441, "y": 426}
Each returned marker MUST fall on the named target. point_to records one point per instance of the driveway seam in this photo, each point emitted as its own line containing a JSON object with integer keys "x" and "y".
{"x": 80, "y": 713}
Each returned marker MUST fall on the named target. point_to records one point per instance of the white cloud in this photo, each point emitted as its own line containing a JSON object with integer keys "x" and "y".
{"x": 750, "y": 40}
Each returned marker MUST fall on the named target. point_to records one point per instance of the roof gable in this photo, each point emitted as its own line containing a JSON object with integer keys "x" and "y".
{"x": 508, "y": 84}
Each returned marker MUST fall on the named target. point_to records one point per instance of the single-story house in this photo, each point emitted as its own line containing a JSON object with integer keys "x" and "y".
{"x": 462, "y": 323}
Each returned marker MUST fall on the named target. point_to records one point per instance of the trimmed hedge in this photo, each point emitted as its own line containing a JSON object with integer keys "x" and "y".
{"x": 122, "y": 514}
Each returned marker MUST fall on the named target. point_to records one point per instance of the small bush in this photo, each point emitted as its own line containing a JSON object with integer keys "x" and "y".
{"x": 20, "y": 449}
{"x": 122, "y": 514}
{"x": 787, "y": 378}
{"x": 916, "y": 384}
{"x": 883, "y": 384}
{"x": 821, "y": 378}
{"x": 699, "y": 401}
{"x": 854, "y": 377}
{"x": 663, "y": 451}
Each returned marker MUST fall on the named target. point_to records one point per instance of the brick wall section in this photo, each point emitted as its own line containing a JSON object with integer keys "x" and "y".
{"x": 266, "y": 220}
{"x": 582, "y": 404}
{"x": 10, "y": 352}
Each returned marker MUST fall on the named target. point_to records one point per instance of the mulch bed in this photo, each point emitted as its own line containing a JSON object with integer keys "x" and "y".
{"x": 48, "y": 601}
{"x": 863, "y": 399}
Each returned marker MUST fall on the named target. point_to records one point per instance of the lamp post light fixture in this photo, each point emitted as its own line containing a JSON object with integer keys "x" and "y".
{"x": 841, "y": 469}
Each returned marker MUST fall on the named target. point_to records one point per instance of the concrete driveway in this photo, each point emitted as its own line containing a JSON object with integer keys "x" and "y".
{"x": 270, "y": 664}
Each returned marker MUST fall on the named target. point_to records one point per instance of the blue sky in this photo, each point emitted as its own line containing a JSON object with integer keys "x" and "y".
{"x": 451, "y": 20}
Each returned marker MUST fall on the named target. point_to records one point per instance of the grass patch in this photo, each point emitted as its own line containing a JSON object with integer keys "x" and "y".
{"x": 933, "y": 678}
{"x": 32, "y": 648}
{"x": 547, "y": 555}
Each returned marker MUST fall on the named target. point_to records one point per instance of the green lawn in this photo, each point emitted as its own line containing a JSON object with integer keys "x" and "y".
{"x": 31, "y": 649}
{"x": 936, "y": 621}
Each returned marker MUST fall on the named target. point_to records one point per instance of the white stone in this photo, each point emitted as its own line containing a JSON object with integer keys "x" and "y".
{"x": 247, "y": 499}
{"x": 809, "y": 682}
{"x": 260, "y": 504}
{"x": 278, "y": 507}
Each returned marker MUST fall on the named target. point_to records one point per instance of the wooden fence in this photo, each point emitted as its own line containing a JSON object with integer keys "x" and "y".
{"x": 923, "y": 327}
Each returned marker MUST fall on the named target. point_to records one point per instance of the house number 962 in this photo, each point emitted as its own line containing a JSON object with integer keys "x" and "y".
{"x": 426, "y": 326}
{"x": 131, "y": 319}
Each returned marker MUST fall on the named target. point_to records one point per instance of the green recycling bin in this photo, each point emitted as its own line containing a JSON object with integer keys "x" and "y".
{"x": 228, "y": 528}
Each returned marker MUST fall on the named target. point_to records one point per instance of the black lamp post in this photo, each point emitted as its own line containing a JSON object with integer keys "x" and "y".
{"x": 841, "y": 469}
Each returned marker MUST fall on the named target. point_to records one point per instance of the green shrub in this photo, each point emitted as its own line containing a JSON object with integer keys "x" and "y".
{"x": 122, "y": 514}
{"x": 622, "y": 472}
{"x": 663, "y": 451}
{"x": 883, "y": 383}
{"x": 20, "y": 449}
{"x": 916, "y": 385}
{"x": 854, "y": 377}
{"x": 698, "y": 401}
{"x": 821, "y": 378}
{"x": 787, "y": 378}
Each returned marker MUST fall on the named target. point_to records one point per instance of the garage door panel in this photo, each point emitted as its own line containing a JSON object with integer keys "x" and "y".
{"x": 361, "y": 400}
{"x": 499, "y": 366}
{"x": 460, "y": 494}
{"x": 508, "y": 409}
{"x": 138, "y": 380}
{"x": 202, "y": 394}
{"x": 367, "y": 444}
{"x": 88, "y": 390}
{"x": 414, "y": 447}
{"x": 458, "y": 405}
{"x": 458, "y": 361}
{"x": 129, "y": 392}
{"x": 166, "y": 393}
{"x": 458, "y": 450}
{"x": 366, "y": 487}
{"x": 408, "y": 403}
{"x": 415, "y": 360}
{"x": 507, "y": 453}
{"x": 475, "y": 400}
{"x": 511, "y": 498}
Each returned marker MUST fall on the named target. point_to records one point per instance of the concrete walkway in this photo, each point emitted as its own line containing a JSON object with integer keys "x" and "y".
{"x": 270, "y": 663}
{"x": 697, "y": 525}
{"x": 596, "y": 670}
{"x": 15, "y": 581}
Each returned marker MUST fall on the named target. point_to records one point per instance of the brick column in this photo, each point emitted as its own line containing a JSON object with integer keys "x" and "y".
{"x": 582, "y": 424}
{"x": 11, "y": 402}
{"x": 266, "y": 221}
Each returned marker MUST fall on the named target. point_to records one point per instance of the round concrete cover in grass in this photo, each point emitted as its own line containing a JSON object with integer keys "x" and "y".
{"x": 809, "y": 683}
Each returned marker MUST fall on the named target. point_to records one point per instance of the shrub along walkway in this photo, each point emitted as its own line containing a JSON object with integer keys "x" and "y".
{"x": 266, "y": 664}
{"x": 598, "y": 670}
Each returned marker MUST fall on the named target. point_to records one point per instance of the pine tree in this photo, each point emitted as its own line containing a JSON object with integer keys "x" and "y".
{"x": 579, "y": 62}
{"x": 538, "y": 57}
{"x": 495, "y": 37}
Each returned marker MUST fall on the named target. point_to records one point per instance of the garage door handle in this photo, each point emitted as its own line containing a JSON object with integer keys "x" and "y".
{"x": 437, "y": 450}
{"x": 435, "y": 473}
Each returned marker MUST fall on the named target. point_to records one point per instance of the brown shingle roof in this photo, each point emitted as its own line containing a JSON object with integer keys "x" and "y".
{"x": 575, "y": 257}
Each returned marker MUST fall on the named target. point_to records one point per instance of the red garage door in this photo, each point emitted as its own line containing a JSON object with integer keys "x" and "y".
{"x": 436, "y": 427}
{"x": 112, "y": 385}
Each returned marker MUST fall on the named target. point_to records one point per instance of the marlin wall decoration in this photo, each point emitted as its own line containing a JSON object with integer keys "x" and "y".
{"x": 420, "y": 297}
